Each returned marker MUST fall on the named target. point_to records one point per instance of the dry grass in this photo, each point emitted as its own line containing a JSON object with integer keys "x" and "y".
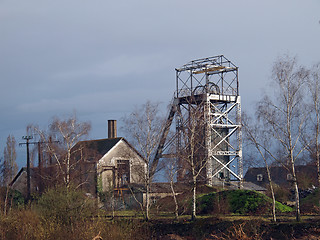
{"x": 238, "y": 232}
{"x": 27, "y": 224}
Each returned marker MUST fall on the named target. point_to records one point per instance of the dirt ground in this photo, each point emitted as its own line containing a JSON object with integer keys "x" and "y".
{"x": 219, "y": 229}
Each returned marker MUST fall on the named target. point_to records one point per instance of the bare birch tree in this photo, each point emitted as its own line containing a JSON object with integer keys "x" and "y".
{"x": 314, "y": 134}
{"x": 192, "y": 148}
{"x": 143, "y": 127}
{"x": 66, "y": 133}
{"x": 256, "y": 136}
{"x": 171, "y": 170}
{"x": 283, "y": 116}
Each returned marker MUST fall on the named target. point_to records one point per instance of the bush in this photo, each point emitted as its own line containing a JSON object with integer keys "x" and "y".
{"x": 281, "y": 194}
{"x": 65, "y": 205}
{"x": 21, "y": 224}
{"x": 242, "y": 201}
{"x": 207, "y": 203}
{"x": 311, "y": 203}
{"x": 237, "y": 201}
{"x": 15, "y": 197}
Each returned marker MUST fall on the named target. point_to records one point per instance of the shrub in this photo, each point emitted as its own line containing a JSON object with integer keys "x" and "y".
{"x": 311, "y": 203}
{"x": 65, "y": 205}
{"x": 15, "y": 197}
{"x": 281, "y": 194}
{"x": 9, "y": 200}
{"x": 21, "y": 224}
{"x": 237, "y": 201}
{"x": 244, "y": 201}
{"x": 206, "y": 203}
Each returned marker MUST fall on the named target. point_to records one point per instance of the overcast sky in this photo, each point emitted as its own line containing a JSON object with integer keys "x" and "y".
{"x": 102, "y": 58}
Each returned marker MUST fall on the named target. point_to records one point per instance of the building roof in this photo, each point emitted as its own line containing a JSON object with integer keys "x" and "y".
{"x": 180, "y": 187}
{"x": 247, "y": 186}
{"x": 160, "y": 187}
{"x": 279, "y": 174}
{"x": 34, "y": 173}
{"x": 102, "y": 146}
{"x": 165, "y": 187}
{"x": 23, "y": 169}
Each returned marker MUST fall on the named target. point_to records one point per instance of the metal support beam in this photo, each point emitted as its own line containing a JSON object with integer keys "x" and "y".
{"x": 207, "y": 113}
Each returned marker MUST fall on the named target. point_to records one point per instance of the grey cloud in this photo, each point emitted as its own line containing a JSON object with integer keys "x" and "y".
{"x": 103, "y": 57}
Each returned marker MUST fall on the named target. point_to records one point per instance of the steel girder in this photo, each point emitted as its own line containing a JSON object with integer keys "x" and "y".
{"x": 207, "y": 112}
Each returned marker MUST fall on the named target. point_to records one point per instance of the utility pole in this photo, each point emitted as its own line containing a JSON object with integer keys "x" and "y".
{"x": 27, "y": 143}
{"x": 27, "y": 138}
{"x": 40, "y": 167}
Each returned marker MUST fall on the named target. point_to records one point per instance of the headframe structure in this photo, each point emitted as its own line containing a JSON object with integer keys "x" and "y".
{"x": 207, "y": 111}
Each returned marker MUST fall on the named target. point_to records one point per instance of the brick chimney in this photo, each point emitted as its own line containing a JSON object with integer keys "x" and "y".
{"x": 112, "y": 128}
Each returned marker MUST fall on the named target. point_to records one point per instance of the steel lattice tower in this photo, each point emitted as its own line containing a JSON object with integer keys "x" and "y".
{"x": 207, "y": 112}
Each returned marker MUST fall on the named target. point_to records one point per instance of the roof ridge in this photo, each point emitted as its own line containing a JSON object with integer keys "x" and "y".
{"x": 101, "y": 139}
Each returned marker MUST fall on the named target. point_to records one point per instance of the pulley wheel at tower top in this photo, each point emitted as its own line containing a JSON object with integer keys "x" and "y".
{"x": 212, "y": 88}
